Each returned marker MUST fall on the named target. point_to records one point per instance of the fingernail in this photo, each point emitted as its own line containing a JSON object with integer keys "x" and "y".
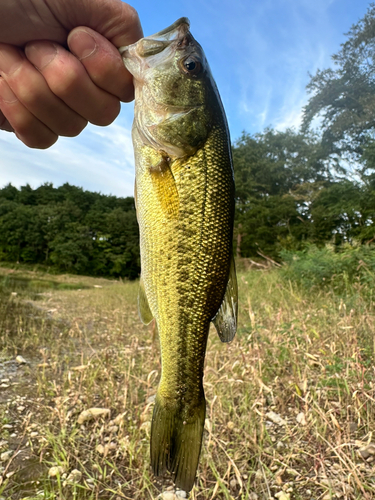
{"x": 6, "y": 94}
{"x": 40, "y": 54}
{"x": 10, "y": 60}
{"x": 82, "y": 44}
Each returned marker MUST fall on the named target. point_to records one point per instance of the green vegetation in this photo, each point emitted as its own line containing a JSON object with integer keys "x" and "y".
{"x": 70, "y": 229}
{"x": 303, "y": 359}
{"x": 293, "y": 188}
{"x": 350, "y": 268}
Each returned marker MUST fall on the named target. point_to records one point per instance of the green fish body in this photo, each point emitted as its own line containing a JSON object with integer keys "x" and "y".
{"x": 185, "y": 209}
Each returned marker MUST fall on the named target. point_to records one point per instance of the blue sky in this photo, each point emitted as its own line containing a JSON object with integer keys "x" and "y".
{"x": 260, "y": 53}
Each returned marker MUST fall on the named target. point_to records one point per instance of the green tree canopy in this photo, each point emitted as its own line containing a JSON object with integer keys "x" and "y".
{"x": 344, "y": 97}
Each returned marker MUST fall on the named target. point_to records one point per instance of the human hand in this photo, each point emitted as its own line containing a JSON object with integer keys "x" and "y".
{"x": 47, "y": 90}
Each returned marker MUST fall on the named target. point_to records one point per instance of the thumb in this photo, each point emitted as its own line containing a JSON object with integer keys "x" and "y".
{"x": 115, "y": 20}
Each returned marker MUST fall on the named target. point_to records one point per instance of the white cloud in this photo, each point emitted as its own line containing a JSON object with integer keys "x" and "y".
{"x": 100, "y": 159}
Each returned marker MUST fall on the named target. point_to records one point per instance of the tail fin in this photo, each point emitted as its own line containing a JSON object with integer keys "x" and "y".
{"x": 176, "y": 442}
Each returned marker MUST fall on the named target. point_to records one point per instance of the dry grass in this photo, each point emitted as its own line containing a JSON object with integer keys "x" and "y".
{"x": 290, "y": 411}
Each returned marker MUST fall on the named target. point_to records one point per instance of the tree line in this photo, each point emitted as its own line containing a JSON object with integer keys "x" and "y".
{"x": 317, "y": 184}
{"x": 293, "y": 188}
{"x": 70, "y": 229}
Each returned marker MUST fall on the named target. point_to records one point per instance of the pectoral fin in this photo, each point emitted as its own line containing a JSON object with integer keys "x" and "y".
{"x": 225, "y": 320}
{"x": 165, "y": 187}
{"x": 144, "y": 310}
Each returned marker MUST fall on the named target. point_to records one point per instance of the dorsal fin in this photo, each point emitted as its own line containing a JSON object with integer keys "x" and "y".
{"x": 225, "y": 320}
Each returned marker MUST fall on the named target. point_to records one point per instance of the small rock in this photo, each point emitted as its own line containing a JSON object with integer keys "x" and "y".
{"x": 181, "y": 494}
{"x": 113, "y": 429}
{"x": 275, "y": 418}
{"x": 233, "y": 483}
{"x": 56, "y": 471}
{"x": 259, "y": 474}
{"x": 14, "y": 294}
{"x": 74, "y": 477}
{"x": 367, "y": 452}
{"x": 93, "y": 413}
{"x": 253, "y": 496}
{"x": 279, "y": 445}
{"x": 151, "y": 399}
{"x": 20, "y": 408}
{"x": 101, "y": 449}
{"x": 34, "y": 434}
{"x": 21, "y": 360}
{"x": 7, "y": 426}
{"x": 6, "y": 456}
{"x": 4, "y": 386}
{"x": 168, "y": 495}
{"x": 301, "y": 419}
{"x": 98, "y": 286}
{"x": 281, "y": 495}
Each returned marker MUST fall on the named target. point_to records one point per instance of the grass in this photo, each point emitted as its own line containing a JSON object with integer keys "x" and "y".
{"x": 290, "y": 402}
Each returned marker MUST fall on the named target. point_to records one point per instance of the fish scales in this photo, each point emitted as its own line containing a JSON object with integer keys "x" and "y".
{"x": 185, "y": 208}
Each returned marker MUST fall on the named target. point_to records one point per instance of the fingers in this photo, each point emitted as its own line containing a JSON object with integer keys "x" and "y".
{"x": 67, "y": 79}
{"x": 17, "y": 118}
{"x": 4, "y": 124}
{"x": 102, "y": 62}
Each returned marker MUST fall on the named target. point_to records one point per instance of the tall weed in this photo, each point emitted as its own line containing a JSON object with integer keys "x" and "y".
{"x": 344, "y": 270}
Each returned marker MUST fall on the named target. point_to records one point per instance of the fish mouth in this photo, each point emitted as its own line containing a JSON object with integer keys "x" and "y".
{"x": 154, "y": 44}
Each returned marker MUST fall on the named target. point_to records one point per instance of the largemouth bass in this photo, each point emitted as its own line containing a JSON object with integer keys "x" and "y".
{"x": 185, "y": 207}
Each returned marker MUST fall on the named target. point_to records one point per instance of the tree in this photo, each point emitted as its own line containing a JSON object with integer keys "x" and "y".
{"x": 344, "y": 97}
{"x": 72, "y": 229}
{"x": 270, "y": 170}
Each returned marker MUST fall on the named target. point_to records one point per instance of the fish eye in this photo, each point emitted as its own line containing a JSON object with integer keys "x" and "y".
{"x": 192, "y": 66}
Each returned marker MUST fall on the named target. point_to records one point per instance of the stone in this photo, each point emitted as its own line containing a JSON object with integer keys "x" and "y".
{"x": 21, "y": 360}
{"x": 6, "y": 455}
{"x": 56, "y": 471}
{"x": 301, "y": 419}
{"x": 181, "y": 494}
{"x": 275, "y": 418}
{"x": 92, "y": 414}
{"x": 74, "y": 477}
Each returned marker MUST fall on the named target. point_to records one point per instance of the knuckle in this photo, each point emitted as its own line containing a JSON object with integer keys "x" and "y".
{"x": 74, "y": 128}
{"x": 107, "y": 113}
{"x": 66, "y": 83}
{"x": 132, "y": 16}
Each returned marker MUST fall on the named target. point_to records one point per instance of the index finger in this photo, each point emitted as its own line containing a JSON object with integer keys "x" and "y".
{"x": 102, "y": 62}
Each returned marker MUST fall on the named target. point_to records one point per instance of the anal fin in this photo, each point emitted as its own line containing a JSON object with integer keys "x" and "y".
{"x": 225, "y": 320}
{"x": 144, "y": 310}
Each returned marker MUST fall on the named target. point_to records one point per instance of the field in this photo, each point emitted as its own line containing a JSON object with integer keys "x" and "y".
{"x": 290, "y": 402}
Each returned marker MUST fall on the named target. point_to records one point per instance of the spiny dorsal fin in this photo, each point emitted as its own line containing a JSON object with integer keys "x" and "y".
{"x": 144, "y": 310}
{"x": 225, "y": 320}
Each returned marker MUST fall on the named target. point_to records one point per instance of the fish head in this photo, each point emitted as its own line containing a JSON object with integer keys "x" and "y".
{"x": 175, "y": 94}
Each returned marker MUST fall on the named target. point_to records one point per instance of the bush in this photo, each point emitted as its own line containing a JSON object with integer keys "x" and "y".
{"x": 337, "y": 268}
